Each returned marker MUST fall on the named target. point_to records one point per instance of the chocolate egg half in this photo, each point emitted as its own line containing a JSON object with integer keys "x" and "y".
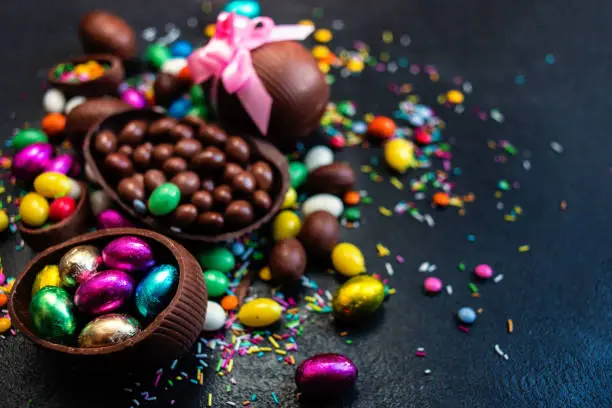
{"x": 108, "y": 330}
{"x": 105, "y": 292}
{"x": 326, "y": 376}
{"x": 129, "y": 254}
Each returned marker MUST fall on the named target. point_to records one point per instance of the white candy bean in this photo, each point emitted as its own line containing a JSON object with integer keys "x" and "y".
{"x": 174, "y": 65}
{"x": 99, "y": 201}
{"x": 324, "y": 202}
{"x": 318, "y": 156}
{"x": 215, "y": 317}
{"x": 54, "y": 101}
{"x": 73, "y": 103}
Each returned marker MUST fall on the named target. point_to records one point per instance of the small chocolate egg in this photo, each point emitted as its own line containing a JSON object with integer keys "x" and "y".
{"x": 239, "y": 213}
{"x": 222, "y": 195}
{"x": 260, "y": 312}
{"x": 320, "y": 233}
{"x": 336, "y": 178}
{"x": 212, "y": 135}
{"x": 264, "y": 176}
{"x": 48, "y": 276}
{"x": 261, "y": 201}
{"x": 187, "y": 148}
{"x": 202, "y": 199}
{"x": 127, "y": 150}
{"x": 133, "y": 133}
{"x": 211, "y": 222}
{"x": 142, "y": 155}
{"x": 111, "y": 218}
{"x": 215, "y": 317}
{"x": 237, "y": 149}
{"x": 287, "y": 261}
{"x": 106, "y": 142}
{"x": 243, "y": 183}
{"x": 326, "y": 376}
{"x": 119, "y": 165}
{"x": 181, "y": 132}
{"x": 52, "y": 314}
{"x": 161, "y": 127}
{"x": 79, "y": 264}
{"x": 128, "y": 253}
{"x": 153, "y": 179}
{"x": 155, "y": 290}
{"x": 185, "y": 215}
{"x": 31, "y": 160}
{"x": 104, "y": 292}
{"x": 358, "y": 298}
{"x": 108, "y": 330}
{"x": 174, "y": 165}
{"x": 129, "y": 189}
{"x": 209, "y": 159}
{"x": 187, "y": 181}
{"x": 231, "y": 171}
{"x": 163, "y": 152}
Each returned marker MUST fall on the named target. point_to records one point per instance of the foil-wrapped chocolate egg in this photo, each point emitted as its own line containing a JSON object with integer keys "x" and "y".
{"x": 358, "y": 297}
{"x": 326, "y": 376}
{"x": 105, "y": 292}
{"x": 60, "y": 164}
{"x": 48, "y": 276}
{"x": 155, "y": 290}
{"x": 128, "y": 253}
{"x": 79, "y": 264}
{"x": 112, "y": 219}
{"x": 52, "y": 314}
{"x": 108, "y": 330}
{"x": 31, "y": 160}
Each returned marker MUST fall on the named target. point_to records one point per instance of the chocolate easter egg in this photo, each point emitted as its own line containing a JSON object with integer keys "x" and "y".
{"x": 155, "y": 290}
{"x": 104, "y": 292}
{"x": 336, "y": 178}
{"x": 52, "y": 314}
{"x": 79, "y": 264}
{"x": 101, "y": 31}
{"x": 326, "y": 376}
{"x": 87, "y": 114}
{"x": 108, "y": 330}
{"x": 320, "y": 233}
{"x": 297, "y": 87}
{"x": 287, "y": 261}
{"x": 358, "y": 298}
{"x": 128, "y": 253}
{"x": 111, "y": 218}
{"x": 60, "y": 164}
{"x": 31, "y": 160}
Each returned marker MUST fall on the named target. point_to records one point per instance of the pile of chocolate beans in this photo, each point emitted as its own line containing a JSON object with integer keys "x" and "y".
{"x": 97, "y": 297}
{"x": 192, "y": 175}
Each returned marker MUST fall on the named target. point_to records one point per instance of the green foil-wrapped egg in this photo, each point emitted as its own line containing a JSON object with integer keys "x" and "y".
{"x": 108, "y": 329}
{"x": 48, "y": 276}
{"x": 358, "y": 297}
{"x": 155, "y": 290}
{"x": 52, "y": 314}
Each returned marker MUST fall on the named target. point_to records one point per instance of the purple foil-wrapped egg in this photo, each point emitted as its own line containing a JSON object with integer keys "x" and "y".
{"x": 113, "y": 219}
{"x": 32, "y": 160}
{"x": 326, "y": 376}
{"x": 105, "y": 292}
{"x": 129, "y": 254}
{"x": 60, "y": 164}
{"x": 134, "y": 98}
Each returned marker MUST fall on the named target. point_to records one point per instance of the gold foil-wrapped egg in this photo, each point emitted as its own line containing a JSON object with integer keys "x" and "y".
{"x": 358, "y": 297}
{"x": 108, "y": 329}
{"x": 79, "y": 264}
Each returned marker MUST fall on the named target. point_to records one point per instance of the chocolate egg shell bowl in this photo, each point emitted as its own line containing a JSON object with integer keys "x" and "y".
{"x": 76, "y": 224}
{"x": 166, "y": 336}
{"x": 88, "y": 75}
{"x": 187, "y": 179}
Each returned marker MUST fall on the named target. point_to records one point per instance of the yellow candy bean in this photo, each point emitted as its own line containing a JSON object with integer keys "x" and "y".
{"x": 286, "y": 225}
{"x": 34, "y": 209}
{"x": 4, "y": 221}
{"x": 399, "y": 155}
{"x": 260, "y": 312}
{"x": 323, "y": 35}
{"x": 52, "y": 185}
{"x": 48, "y": 276}
{"x": 454, "y": 96}
{"x": 265, "y": 274}
{"x": 290, "y": 199}
{"x": 348, "y": 259}
{"x": 5, "y": 324}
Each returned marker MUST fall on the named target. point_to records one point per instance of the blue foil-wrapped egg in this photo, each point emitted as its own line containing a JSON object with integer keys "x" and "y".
{"x": 155, "y": 290}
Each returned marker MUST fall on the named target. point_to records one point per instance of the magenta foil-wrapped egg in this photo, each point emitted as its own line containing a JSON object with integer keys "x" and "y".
{"x": 60, "y": 164}
{"x": 129, "y": 254}
{"x": 134, "y": 98}
{"x": 113, "y": 219}
{"x": 326, "y": 376}
{"x": 32, "y": 160}
{"x": 105, "y": 292}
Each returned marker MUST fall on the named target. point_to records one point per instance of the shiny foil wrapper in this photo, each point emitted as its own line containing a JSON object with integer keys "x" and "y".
{"x": 128, "y": 253}
{"x": 105, "y": 292}
{"x": 113, "y": 219}
{"x": 358, "y": 297}
{"x": 155, "y": 290}
{"x": 326, "y": 376}
{"x": 52, "y": 314}
{"x": 48, "y": 276}
{"x": 79, "y": 264}
{"x": 109, "y": 330}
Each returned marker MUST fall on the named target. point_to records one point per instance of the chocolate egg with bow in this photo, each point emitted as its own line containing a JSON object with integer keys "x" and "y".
{"x": 155, "y": 290}
{"x": 104, "y": 292}
{"x": 129, "y": 254}
{"x": 79, "y": 264}
{"x": 108, "y": 330}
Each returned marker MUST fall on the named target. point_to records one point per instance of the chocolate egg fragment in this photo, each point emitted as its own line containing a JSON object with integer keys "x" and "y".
{"x": 108, "y": 330}
{"x": 358, "y": 298}
{"x": 298, "y": 89}
{"x": 104, "y": 292}
{"x": 52, "y": 314}
{"x": 101, "y": 31}
{"x": 79, "y": 264}
{"x": 320, "y": 233}
{"x": 155, "y": 290}
{"x": 326, "y": 376}
{"x": 335, "y": 178}
{"x": 287, "y": 261}
{"x": 129, "y": 254}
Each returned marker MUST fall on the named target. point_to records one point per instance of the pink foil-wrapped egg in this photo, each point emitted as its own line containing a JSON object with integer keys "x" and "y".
{"x": 113, "y": 219}
{"x": 129, "y": 254}
{"x": 105, "y": 292}
{"x": 134, "y": 98}
{"x": 326, "y": 376}
{"x": 60, "y": 164}
{"x": 32, "y": 160}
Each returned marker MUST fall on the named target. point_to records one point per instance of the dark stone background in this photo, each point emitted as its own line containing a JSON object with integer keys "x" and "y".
{"x": 558, "y": 294}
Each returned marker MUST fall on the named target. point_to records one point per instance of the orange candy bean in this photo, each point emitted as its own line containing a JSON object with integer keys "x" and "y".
{"x": 53, "y": 124}
{"x": 382, "y": 127}
{"x": 185, "y": 73}
{"x": 352, "y": 198}
{"x": 3, "y": 299}
{"x": 229, "y": 303}
{"x": 441, "y": 199}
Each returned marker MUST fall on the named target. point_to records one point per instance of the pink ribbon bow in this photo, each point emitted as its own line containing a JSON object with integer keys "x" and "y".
{"x": 227, "y": 58}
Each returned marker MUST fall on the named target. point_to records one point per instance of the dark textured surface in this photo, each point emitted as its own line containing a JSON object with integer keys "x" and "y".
{"x": 558, "y": 294}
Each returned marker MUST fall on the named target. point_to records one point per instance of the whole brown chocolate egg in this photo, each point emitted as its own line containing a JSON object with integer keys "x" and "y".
{"x": 101, "y": 31}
